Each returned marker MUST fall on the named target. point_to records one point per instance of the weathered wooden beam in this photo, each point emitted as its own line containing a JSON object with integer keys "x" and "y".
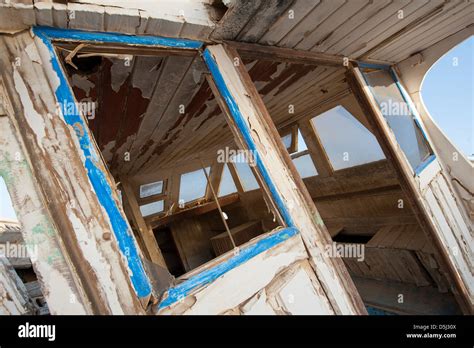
{"x": 289, "y": 55}
{"x": 151, "y": 245}
{"x": 215, "y": 179}
{"x": 250, "y": 122}
{"x": 81, "y": 196}
{"x": 197, "y": 210}
{"x": 38, "y": 225}
{"x": 422, "y": 202}
{"x": 109, "y": 49}
{"x": 151, "y": 199}
{"x": 316, "y": 149}
{"x": 235, "y": 177}
{"x": 379, "y": 191}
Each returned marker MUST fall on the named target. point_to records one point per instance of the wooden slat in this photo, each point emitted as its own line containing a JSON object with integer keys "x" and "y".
{"x": 326, "y": 28}
{"x": 285, "y": 23}
{"x": 282, "y": 54}
{"x": 317, "y": 15}
{"x": 173, "y": 72}
{"x": 268, "y": 12}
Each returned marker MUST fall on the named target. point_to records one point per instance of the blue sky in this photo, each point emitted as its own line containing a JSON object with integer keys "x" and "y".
{"x": 448, "y": 93}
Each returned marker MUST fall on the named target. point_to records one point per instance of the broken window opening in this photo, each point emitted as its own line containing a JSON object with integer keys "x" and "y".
{"x": 174, "y": 201}
{"x": 346, "y": 141}
{"x": 193, "y": 186}
{"x": 399, "y": 116}
{"x": 152, "y": 208}
{"x": 302, "y": 159}
{"x": 151, "y": 189}
{"x": 247, "y": 177}
{"x": 227, "y": 184}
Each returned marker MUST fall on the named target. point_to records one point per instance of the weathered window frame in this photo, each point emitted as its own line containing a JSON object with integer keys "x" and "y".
{"x": 226, "y": 262}
{"x": 415, "y": 115}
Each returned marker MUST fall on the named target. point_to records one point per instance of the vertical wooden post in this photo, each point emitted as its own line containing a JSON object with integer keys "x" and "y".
{"x": 251, "y": 124}
{"x": 315, "y": 147}
{"x": 215, "y": 177}
{"x": 80, "y": 195}
{"x": 146, "y": 233}
{"x": 235, "y": 177}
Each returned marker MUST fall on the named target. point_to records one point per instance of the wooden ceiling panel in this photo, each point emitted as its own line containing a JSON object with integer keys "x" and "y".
{"x": 357, "y": 28}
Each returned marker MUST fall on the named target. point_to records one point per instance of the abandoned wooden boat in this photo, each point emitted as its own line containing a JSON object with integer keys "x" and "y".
{"x": 232, "y": 157}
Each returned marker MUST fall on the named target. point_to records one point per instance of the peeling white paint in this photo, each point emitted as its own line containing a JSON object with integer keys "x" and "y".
{"x": 101, "y": 267}
{"x": 45, "y": 55}
{"x": 33, "y": 53}
{"x": 35, "y": 120}
{"x": 107, "y": 150}
{"x": 49, "y": 263}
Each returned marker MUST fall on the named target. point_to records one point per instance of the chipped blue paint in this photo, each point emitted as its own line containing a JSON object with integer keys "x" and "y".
{"x": 97, "y": 177}
{"x": 246, "y": 132}
{"x": 182, "y": 290}
{"x": 80, "y": 35}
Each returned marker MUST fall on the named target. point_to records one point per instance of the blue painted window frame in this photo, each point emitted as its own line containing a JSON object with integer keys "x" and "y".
{"x": 104, "y": 191}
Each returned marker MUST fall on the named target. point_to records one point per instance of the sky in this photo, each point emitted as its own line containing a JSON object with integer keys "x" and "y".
{"x": 447, "y": 91}
{"x": 448, "y": 94}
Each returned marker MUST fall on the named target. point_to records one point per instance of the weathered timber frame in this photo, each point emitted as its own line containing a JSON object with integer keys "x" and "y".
{"x": 331, "y": 272}
{"x": 253, "y": 128}
{"x": 453, "y": 255}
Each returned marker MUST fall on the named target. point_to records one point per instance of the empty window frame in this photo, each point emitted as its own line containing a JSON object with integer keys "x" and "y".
{"x": 152, "y": 208}
{"x": 132, "y": 41}
{"x": 301, "y": 157}
{"x": 246, "y": 176}
{"x": 399, "y": 116}
{"x": 151, "y": 189}
{"x": 193, "y": 185}
{"x": 346, "y": 141}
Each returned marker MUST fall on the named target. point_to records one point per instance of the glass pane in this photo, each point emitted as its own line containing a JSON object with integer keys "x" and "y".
{"x": 245, "y": 173}
{"x": 193, "y": 185}
{"x": 154, "y": 188}
{"x": 151, "y": 208}
{"x": 399, "y": 117}
{"x": 227, "y": 185}
{"x": 301, "y": 144}
{"x": 286, "y": 140}
{"x": 346, "y": 141}
{"x": 304, "y": 165}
